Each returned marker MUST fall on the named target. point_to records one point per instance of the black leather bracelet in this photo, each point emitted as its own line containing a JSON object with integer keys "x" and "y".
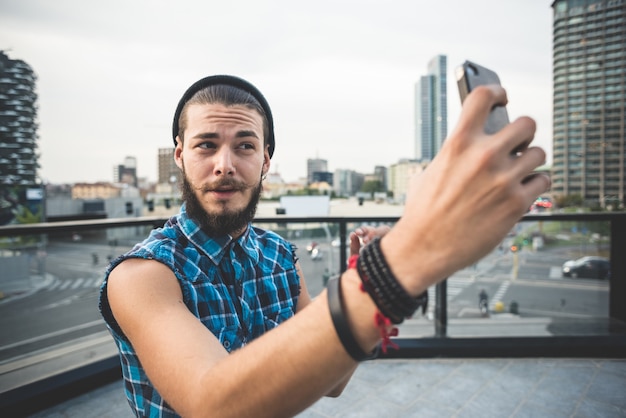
{"x": 391, "y": 298}
{"x": 335, "y": 304}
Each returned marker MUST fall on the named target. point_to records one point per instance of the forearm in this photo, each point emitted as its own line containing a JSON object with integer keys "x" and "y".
{"x": 292, "y": 366}
{"x": 338, "y": 390}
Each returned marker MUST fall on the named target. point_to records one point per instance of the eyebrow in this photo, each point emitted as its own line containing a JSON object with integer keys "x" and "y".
{"x": 215, "y": 135}
{"x": 244, "y": 134}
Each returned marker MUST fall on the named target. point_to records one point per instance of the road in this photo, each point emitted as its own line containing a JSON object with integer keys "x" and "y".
{"x": 67, "y": 308}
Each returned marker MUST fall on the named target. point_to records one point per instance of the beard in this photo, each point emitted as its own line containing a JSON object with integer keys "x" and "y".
{"x": 228, "y": 222}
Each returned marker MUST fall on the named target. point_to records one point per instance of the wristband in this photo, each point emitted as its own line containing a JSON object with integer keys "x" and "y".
{"x": 379, "y": 281}
{"x": 335, "y": 304}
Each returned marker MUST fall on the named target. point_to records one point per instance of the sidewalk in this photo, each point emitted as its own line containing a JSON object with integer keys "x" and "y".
{"x": 439, "y": 388}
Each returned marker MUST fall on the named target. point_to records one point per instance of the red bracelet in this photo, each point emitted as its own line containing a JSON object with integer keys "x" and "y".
{"x": 352, "y": 260}
{"x": 387, "y": 330}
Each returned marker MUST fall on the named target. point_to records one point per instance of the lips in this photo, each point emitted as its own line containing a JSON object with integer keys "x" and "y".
{"x": 223, "y": 192}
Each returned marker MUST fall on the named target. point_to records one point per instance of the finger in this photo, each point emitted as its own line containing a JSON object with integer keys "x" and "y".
{"x": 535, "y": 184}
{"x": 477, "y": 107}
{"x": 372, "y": 232}
{"x": 527, "y": 162}
{"x": 516, "y": 137}
{"x": 355, "y": 244}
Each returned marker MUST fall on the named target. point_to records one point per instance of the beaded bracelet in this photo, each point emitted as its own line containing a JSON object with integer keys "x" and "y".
{"x": 383, "y": 287}
{"x": 335, "y": 304}
{"x": 382, "y": 322}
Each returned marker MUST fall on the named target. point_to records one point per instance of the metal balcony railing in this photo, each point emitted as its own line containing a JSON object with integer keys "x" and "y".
{"x": 588, "y": 320}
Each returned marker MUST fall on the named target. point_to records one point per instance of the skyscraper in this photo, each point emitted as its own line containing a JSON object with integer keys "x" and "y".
{"x": 169, "y": 173}
{"x": 431, "y": 109}
{"x": 347, "y": 182}
{"x": 18, "y": 123}
{"x": 126, "y": 172}
{"x": 589, "y": 105}
{"x": 314, "y": 165}
{"x": 381, "y": 173}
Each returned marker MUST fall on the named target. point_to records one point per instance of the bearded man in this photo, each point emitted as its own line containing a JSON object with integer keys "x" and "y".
{"x": 208, "y": 312}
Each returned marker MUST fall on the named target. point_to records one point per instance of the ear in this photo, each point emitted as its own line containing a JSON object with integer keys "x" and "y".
{"x": 266, "y": 161}
{"x": 178, "y": 153}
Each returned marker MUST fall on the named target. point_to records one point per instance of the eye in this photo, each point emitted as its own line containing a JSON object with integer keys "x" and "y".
{"x": 246, "y": 146}
{"x": 206, "y": 145}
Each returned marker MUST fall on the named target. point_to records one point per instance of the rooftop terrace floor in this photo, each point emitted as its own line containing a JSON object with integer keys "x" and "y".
{"x": 497, "y": 387}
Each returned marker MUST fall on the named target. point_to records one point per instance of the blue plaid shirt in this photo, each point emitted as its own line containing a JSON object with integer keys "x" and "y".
{"x": 239, "y": 289}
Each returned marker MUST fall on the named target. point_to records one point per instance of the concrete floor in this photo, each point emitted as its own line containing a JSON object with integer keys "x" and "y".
{"x": 478, "y": 388}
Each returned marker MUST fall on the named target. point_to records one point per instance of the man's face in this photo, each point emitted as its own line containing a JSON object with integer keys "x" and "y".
{"x": 223, "y": 158}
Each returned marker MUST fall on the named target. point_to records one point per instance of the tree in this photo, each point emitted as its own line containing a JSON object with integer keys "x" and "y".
{"x": 570, "y": 200}
{"x": 372, "y": 186}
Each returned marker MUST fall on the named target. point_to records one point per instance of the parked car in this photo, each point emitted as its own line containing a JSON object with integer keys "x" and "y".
{"x": 588, "y": 267}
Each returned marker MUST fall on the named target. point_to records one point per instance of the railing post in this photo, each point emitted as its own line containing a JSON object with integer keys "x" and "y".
{"x": 617, "y": 284}
{"x": 441, "y": 309}
{"x": 343, "y": 236}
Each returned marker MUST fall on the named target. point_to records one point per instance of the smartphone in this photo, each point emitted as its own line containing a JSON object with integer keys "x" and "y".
{"x": 468, "y": 76}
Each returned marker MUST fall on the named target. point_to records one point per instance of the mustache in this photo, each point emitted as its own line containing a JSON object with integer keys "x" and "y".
{"x": 227, "y": 183}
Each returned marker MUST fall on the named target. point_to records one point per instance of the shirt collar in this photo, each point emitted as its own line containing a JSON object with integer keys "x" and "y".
{"x": 216, "y": 247}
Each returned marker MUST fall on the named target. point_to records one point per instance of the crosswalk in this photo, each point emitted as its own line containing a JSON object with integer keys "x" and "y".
{"x": 497, "y": 297}
{"x": 556, "y": 272}
{"x": 80, "y": 283}
{"x": 455, "y": 286}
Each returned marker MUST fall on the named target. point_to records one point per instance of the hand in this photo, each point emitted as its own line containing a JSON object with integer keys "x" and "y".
{"x": 469, "y": 197}
{"x": 363, "y": 235}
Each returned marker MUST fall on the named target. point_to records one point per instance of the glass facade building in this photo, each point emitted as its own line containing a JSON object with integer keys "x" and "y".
{"x": 589, "y": 67}
{"x": 18, "y": 123}
{"x": 314, "y": 165}
{"x": 431, "y": 109}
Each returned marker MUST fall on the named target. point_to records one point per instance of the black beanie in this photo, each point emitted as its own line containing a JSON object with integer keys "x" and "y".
{"x": 230, "y": 81}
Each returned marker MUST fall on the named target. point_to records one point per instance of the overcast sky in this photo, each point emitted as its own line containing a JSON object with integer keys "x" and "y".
{"x": 339, "y": 75}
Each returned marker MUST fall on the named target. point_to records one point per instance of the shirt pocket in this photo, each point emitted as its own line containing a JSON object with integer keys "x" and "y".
{"x": 274, "y": 318}
{"x": 277, "y": 296}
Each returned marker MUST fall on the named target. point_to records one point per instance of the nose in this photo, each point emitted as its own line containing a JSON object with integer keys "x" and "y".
{"x": 224, "y": 162}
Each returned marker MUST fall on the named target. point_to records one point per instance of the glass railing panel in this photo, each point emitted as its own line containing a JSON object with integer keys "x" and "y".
{"x": 49, "y": 282}
{"x": 319, "y": 247}
{"x": 49, "y": 285}
{"x": 547, "y": 278}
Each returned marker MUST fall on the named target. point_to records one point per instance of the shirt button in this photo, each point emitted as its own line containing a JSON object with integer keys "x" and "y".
{"x": 227, "y": 344}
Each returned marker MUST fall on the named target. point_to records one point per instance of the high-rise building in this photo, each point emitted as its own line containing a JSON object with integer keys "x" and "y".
{"x": 347, "y": 182}
{"x": 431, "y": 109}
{"x": 127, "y": 172}
{"x": 400, "y": 175}
{"x": 18, "y": 123}
{"x": 169, "y": 173}
{"x": 314, "y": 165}
{"x": 380, "y": 174}
{"x": 589, "y": 104}
{"x": 323, "y": 177}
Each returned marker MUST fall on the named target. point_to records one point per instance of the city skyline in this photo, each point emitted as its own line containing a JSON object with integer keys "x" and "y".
{"x": 340, "y": 84}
